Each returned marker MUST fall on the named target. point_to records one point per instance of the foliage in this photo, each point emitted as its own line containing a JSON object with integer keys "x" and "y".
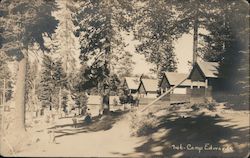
{"x": 143, "y": 125}
{"x": 114, "y": 84}
{"x": 77, "y": 90}
{"x": 46, "y": 85}
{"x": 64, "y": 100}
{"x": 63, "y": 41}
{"x": 25, "y": 23}
{"x": 154, "y": 29}
{"x": 115, "y": 102}
{"x": 125, "y": 65}
{"x": 99, "y": 30}
{"x": 227, "y": 43}
{"x": 7, "y": 75}
{"x": 210, "y": 106}
{"x": 123, "y": 96}
{"x": 53, "y": 78}
{"x": 31, "y": 84}
{"x": 80, "y": 99}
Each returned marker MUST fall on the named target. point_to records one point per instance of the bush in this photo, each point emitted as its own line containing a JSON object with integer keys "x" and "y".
{"x": 115, "y": 102}
{"x": 210, "y": 106}
{"x": 141, "y": 126}
{"x": 195, "y": 107}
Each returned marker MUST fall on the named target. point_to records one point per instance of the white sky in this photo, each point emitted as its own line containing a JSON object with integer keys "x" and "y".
{"x": 184, "y": 52}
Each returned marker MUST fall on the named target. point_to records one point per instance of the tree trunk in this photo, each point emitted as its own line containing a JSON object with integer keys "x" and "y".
{"x": 20, "y": 94}
{"x": 195, "y": 39}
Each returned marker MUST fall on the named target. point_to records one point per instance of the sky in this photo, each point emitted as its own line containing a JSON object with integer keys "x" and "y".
{"x": 183, "y": 51}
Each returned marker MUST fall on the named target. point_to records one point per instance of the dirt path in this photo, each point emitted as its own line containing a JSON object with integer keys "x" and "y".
{"x": 113, "y": 142}
{"x": 110, "y": 136}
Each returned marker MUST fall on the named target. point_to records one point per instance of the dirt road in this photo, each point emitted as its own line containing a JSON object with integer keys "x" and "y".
{"x": 112, "y": 140}
{"x": 110, "y": 136}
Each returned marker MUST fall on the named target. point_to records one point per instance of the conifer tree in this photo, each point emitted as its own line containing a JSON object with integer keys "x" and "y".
{"x": 46, "y": 86}
{"x": 155, "y": 30}
{"x": 99, "y": 25}
{"x": 24, "y": 24}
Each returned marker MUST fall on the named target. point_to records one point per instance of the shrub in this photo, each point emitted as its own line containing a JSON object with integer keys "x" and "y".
{"x": 142, "y": 125}
{"x": 195, "y": 107}
{"x": 210, "y": 106}
{"x": 115, "y": 102}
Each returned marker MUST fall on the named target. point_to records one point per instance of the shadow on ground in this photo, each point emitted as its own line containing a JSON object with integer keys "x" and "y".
{"x": 99, "y": 123}
{"x": 185, "y": 136}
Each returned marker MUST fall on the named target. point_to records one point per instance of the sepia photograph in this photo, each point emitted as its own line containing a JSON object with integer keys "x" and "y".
{"x": 124, "y": 78}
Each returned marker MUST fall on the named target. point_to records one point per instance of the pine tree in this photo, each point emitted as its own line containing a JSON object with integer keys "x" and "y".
{"x": 99, "y": 24}
{"x": 194, "y": 15}
{"x": 24, "y": 24}
{"x": 154, "y": 29}
{"x": 64, "y": 43}
{"x": 78, "y": 89}
{"x": 59, "y": 75}
{"x": 227, "y": 43}
{"x": 125, "y": 65}
{"x": 46, "y": 86}
{"x": 114, "y": 84}
{"x": 5, "y": 76}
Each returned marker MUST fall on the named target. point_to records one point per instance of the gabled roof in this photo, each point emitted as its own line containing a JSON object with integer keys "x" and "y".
{"x": 132, "y": 82}
{"x": 209, "y": 69}
{"x": 150, "y": 85}
{"x": 175, "y": 78}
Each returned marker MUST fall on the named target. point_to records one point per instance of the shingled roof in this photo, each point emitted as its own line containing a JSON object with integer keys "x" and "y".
{"x": 209, "y": 69}
{"x": 175, "y": 78}
{"x": 150, "y": 85}
{"x": 132, "y": 82}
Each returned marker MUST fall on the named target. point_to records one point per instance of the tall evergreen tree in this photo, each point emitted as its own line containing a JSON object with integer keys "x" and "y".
{"x": 46, "y": 86}
{"x": 25, "y": 22}
{"x": 64, "y": 43}
{"x": 228, "y": 42}
{"x": 6, "y": 82}
{"x": 53, "y": 82}
{"x": 78, "y": 91}
{"x": 99, "y": 24}
{"x": 156, "y": 32}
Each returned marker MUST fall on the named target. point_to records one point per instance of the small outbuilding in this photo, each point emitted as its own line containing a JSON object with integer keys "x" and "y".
{"x": 148, "y": 88}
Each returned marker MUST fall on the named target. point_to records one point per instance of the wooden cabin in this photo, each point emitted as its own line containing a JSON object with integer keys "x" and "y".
{"x": 148, "y": 88}
{"x": 131, "y": 84}
{"x": 181, "y": 92}
{"x": 170, "y": 79}
{"x": 203, "y": 76}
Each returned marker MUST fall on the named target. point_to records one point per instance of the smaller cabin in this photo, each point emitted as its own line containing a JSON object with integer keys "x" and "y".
{"x": 204, "y": 77}
{"x": 170, "y": 79}
{"x": 131, "y": 84}
{"x": 148, "y": 88}
{"x": 181, "y": 93}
